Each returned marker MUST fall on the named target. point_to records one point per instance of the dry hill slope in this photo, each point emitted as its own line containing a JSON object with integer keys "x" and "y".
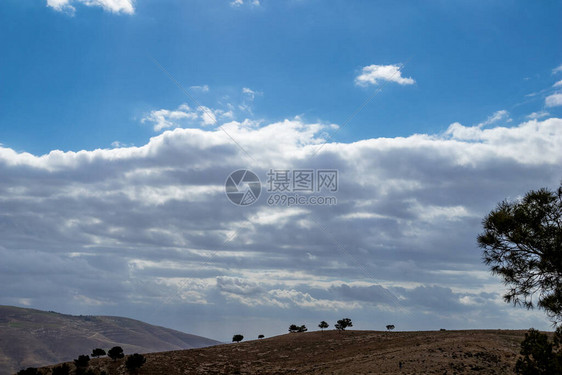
{"x": 31, "y": 337}
{"x": 350, "y": 352}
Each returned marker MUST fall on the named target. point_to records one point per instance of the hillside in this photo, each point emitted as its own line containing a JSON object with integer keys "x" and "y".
{"x": 349, "y": 352}
{"x": 31, "y": 337}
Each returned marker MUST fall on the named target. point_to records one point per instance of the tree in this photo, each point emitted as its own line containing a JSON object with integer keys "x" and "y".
{"x": 390, "y": 327}
{"x": 323, "y": 325}
{"x": 522, "y": 242}
{"x": 82, "y": 361}
{"x": 63, "y": 369}
{"x": 295, "y": 328}
{"x": 237, "y": 338}
{"x": 539, "y": 356}
{"x": 342, "y": 324}
{"x": 261, "y": 336}
{"x": 98, "y": 352}
{"x": 115, "y": 353}
{"x": 135, "y": 362}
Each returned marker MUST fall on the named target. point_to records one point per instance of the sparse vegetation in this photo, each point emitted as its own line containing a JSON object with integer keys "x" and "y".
{"x": 342, "y": 324}
{"x": 115, "y": 353}
{"x": 96, "y": 353}
{"x": 540, "y": 356}
{"x": 522, "y": 242}
{"x": 323, "y": 325}
{"x": 135, "y": 362}
{"x": 237, "y": 338}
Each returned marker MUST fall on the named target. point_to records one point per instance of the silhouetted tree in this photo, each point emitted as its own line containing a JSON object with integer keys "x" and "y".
{"x": 390, "y": 327}
{"x": 261, "y": 336}
{"x": 342, "y": 324}
{"x": 115, "y": 353}
{"x": 63, "y": 369}
{"x": 295, "y": 328}
{"x": 135, "y": 362}
{"x": 522, "y": 242}
{"x": 540, "y": 356}
{"x": 237, "y": 338}
{"x": 323, "y": 325}
{"x": 98, "y": 352}
{"x": 82, "y": 361}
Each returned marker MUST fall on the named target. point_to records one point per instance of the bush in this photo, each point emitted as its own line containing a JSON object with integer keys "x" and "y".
{"x": 134, "y": 362}
{"x": 82, "y": 361}
{"x": 295, "y": 328}
{"x": 115, "y": 353}
{"x": 342, "y": 324}
{"x": 29, "y": 371}
{"x": 237, "y": 338}
{"x": 540, "y": 356}
{"x": 98, "y": 352}
{"x": 63, "y": 369}
{"x": 261, "y": 336}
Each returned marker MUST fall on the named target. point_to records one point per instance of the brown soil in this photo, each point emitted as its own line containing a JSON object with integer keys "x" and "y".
{"x": 349, "y": 352}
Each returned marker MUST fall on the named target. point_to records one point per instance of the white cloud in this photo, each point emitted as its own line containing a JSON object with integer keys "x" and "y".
{"x": 163, "y": 119}
{"x": 553, "y": 100}
{"x": 114, "y": 6}
{"x": 557, "y": 69}
{"x": 495, "y": 117}
{"x": 373, "y": 74}
{"x": 557, "y": 84}
{"x": 204, "y": 88}
{"x": 538, "y": 115}
{"x": 150, "y": 227}
{"x": 239, "y": 3}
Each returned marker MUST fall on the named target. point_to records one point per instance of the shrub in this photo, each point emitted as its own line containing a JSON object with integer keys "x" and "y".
{"x": 98, "y": 352}
{"x": 342, "y": 324}
{"x": 115, "y": 353}
{"x": 63, "y": 369}
{"x": 237, "y": 338}
{"x": 82, "y": 361}
{"x": 134, "y": 362}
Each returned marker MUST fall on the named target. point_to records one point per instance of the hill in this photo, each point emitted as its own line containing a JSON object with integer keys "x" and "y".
{"x": 31, "y": 337}
{"x": 349, "y": 352}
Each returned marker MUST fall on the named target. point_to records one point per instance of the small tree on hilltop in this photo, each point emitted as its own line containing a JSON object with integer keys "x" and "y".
{"x": 342, "y": 324}
{"x": 237, "y": 338}
{"x": 323, "y": 325}
{"x": 96, "y": 353}
{"x": 82, "y": 361}
{"x": 261, "y": 336}
{"x": 29, "y": 371}
{"x": 115, "y": 353}
{"x": 295, "y": 328}
{"x": 135, "y": 362}
{"x": 390, "y": 327}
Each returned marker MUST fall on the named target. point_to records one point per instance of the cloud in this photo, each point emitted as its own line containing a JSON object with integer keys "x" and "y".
{"x": 184, "y": 115}
{"x": 557, "y": 84}
{"x": 239, "y": 3}
{"x": 204, "y": 88}
{"x": 148, "y": 231}
{"x": 495, "y": 117}
{"x": 557, "y": 69}
{"x": 553, "y": 100}
{"x": 537, "y": 115}
{"x": 373, "y": 74}
{"x": 113, "y": 6}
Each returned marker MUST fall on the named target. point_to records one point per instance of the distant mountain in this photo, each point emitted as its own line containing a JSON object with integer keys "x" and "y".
{"x": 35, "y": 338}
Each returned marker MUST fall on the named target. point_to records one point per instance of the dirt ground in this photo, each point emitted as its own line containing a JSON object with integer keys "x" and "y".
{"x": 349, "y": 352}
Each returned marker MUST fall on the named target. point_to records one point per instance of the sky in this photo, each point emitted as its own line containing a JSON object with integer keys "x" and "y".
{"x": 121, "y": 120}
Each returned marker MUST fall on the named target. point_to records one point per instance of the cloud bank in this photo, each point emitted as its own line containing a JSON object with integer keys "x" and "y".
{"x": 148, "y": 231}
{"x": 113, "y": 6}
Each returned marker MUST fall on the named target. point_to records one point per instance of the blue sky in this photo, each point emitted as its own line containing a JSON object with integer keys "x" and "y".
{"x": 112, "y": 178}
{"x": 85, "y": 81}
